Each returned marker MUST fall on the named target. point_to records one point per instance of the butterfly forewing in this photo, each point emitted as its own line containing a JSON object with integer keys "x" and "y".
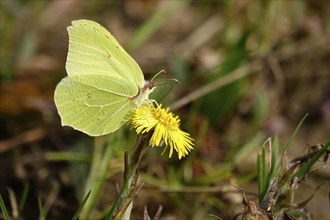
{"x": 93, "y": 50}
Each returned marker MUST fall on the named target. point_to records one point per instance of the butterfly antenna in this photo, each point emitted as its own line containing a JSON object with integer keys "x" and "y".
{"x": 160, "y": 72}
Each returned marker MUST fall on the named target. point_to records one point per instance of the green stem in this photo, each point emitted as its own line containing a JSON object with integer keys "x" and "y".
{"x": 128, "y": 190}
{"x": 101, "y": 159}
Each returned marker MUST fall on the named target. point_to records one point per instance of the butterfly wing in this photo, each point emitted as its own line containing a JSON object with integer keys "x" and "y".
{"x": 94, "y": 104}
{"x": 93, "y": 50}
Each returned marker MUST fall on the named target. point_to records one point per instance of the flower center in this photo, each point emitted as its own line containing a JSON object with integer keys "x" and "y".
{"x": 167, "y": 119}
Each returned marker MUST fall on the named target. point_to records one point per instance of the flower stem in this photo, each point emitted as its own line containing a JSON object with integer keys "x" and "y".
{"x": 131, "y": 175}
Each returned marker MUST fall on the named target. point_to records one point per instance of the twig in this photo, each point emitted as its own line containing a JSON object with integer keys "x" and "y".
{"x": 25, "y": 137}
{"x": 158, "y": 213}
{"x": 237, "y": 74}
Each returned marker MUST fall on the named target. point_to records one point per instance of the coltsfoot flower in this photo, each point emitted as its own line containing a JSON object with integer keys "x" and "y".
{"x": 166, "y": 129}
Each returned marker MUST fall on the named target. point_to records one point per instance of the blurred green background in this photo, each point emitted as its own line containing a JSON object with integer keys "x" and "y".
{"x": 248, "y": 69}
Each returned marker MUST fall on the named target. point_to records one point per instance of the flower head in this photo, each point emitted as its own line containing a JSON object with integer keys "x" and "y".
{"x": 166, "y": 129}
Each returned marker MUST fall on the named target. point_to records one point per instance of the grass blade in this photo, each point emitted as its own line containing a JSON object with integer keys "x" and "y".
{"x": 100, "y": 165}
{"x": 295, "y": 133}
{"x": 4, "y": 209}
{"x": 41, "y": 209}
{"x": 24, "y": 197}
{"x": 274, "y": 150}
{"x": 76, "y": 215}
{"x": 274, "y": 157}
{"x": 248, "y": 148}
{"x": 261, "y": 174}
{"x": 114, "y": 205}
{"x": 152, "y": 24}
{"x": 307, "y": 166}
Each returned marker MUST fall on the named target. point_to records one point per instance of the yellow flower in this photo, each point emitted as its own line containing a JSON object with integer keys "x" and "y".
{"x": 166, "y": 129}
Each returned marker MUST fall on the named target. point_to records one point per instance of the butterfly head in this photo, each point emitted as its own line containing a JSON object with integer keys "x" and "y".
{"x": 143, "y": 93}
{"x": 148, "y": 86}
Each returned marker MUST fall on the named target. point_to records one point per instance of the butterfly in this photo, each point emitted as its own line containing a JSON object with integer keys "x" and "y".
{"x": 104, "y": 83}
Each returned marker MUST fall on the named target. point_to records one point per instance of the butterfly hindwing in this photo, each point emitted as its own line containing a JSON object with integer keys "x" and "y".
{"x": 94, "y": 104}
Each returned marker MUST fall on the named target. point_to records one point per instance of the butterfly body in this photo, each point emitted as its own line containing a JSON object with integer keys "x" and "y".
{"x": 104, "y": 84}
{"x": 143, "y": 94}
